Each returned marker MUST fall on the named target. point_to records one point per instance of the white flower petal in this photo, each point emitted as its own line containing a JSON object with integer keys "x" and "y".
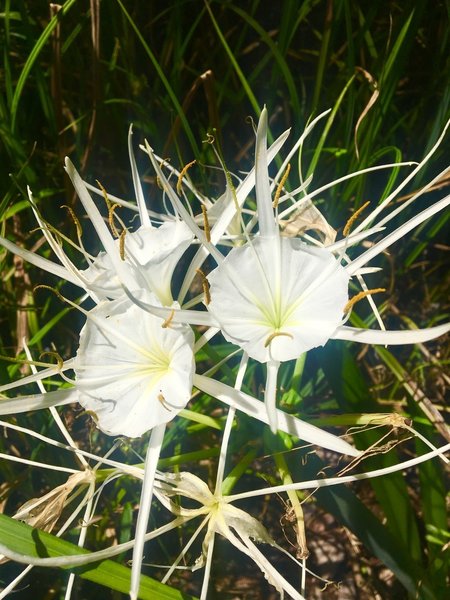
{"x": 285, "y": 422}
{"x": 390, "y": 338}
{"x": 38, "y": 401}
{"x": 132, "y": 373}
{"x": 277, "y": 298}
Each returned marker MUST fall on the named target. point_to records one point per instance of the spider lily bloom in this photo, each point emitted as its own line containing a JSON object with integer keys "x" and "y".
{"x": 143, "y": 259}
{"x": 133, "y": 374}
{"x": 220, "y": 516}
{"x": 276, "y": 298}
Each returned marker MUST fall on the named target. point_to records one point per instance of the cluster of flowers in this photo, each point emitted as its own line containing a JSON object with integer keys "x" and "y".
{"x": 275, "y": 294}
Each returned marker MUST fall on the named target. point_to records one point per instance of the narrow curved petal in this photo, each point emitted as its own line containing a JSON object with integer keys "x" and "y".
{"x": 287, "y": 423}
{"x": 390, "y": 338}
{"x": 12, "y": 406}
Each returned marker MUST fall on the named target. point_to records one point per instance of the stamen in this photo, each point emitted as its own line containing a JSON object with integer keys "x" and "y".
{"x": 122, "y": 244}
{"x": 280, "y": 186}
{"x": 104, "y": 192}
{"x": 59, "y": 360}
{"x": 353, "y": 218}
{"x": 359, "y": 297}
{"x": 92, "y": 414}
{"x": 182, "y": 174}
{"x": 163, "y": 401}
{"x": 158, "y": 181}
{"x": 48, "y": 287}
{"x": 169, "y": 319}
{"x": 210, "y": 139}
{"x": 275, "y": 334}
{"x": 112, "y": 225}
{"x": 206, "y": 226}
{"x": 205, "y": 286}
{"x": 75, "y": 220}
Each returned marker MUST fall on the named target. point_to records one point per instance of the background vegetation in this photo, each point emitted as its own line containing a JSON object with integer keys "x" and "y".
{"x": 74, "y": 77}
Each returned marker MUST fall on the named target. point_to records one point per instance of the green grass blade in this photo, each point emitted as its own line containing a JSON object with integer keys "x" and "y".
{"x": 235, "y": 64}
{"x": 165, "y": 81}
{"x": 24, "y": 539}
{"x": 32, "y": 57}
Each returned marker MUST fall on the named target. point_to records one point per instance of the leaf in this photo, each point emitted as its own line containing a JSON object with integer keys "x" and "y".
{"x": 23, "y": 539}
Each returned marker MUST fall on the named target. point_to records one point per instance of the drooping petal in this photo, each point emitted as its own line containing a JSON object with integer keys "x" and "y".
{"x": 132, "y": 373}
{"x": 285, "y": 422}
{"x": 278, "y": 311}
{"x": 151, "y": 462}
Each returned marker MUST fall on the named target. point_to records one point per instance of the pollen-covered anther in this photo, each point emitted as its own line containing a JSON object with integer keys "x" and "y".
{"x": 359, "y": 297}
{"x": 182, "y": 174}
{"x": 163, "y": 401}
{"x": 275, "y": 334}
{"x": 122, "y": 244}
{"x": 92, "y": 414}
{"x": 280, "y": 186}
{"x": 206, "y": 227}
{"x": 205, "y": 286}
{"x": 105, "y": 193}
{"x": 112, "y": 225}
{"x": 74, "y": 219}
{"x": 353, "y": 218}
{"x": 169, "y": 319}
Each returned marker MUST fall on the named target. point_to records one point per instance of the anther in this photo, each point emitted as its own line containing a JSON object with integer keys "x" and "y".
{"x": 163, "y": 401}
{"x": 112, "y": 225}
{"x": 205, "y": 286}
{"x": 206, "y": 227}
{"x": 74, "y": 219}
{"x": 182, "y": 174}
{"x": 275, "y": 334}
{"x": 169, "y": 319}
{"x": 158, "y": 180}
{"x": 280, "y": 186}
{"x": 353, "y": 218}
{"x": 104, "y": 192}
{"x": 359, "y": 297}
{"x": 122, "y": 244}
{"x": 92, "y": 414}
{"x": 48, "y": 287}
{"x": 210, "y": 139}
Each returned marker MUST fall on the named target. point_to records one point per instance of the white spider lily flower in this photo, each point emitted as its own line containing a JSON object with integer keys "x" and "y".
{"x": 277, "y": 297}
{"x": 143, "y": 259}
{"x": 150, "y": 255}
{"x": 234, "y": 524}
{"x": 133, "y": 374}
